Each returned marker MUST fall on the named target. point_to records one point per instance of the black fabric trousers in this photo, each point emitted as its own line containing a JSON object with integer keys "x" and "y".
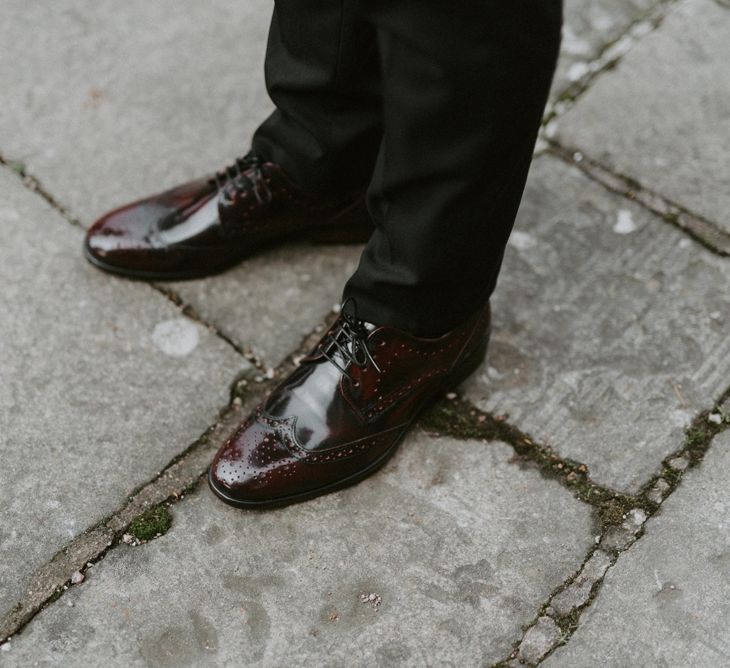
{"x": 434, "y": 108}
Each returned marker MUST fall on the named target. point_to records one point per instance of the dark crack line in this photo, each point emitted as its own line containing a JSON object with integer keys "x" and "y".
{"x": 34, "y": 185}
{"x": 461, "y": 419}
{"x": 610, "y": 55}
{"x": 618, "y": 537}
{"x": 179, "y": 477}
{"x": 705, "y": 232}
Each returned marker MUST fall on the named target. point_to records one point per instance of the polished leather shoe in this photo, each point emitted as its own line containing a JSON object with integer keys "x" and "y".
{"x": 210, "y": 224}
{"x": 343, "y": 411}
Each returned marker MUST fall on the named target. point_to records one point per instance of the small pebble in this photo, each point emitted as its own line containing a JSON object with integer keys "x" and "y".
{"x": 657, "y": 492}
{"x": 128, "y": 538}
{"x": 70, "y": 604}
{"x": 679, "y": 463}
{"x": 451, "y": 396}
{"x": 269, "y": 373}
{"x": 373, "y": 599}
{"x": 715, "y": 418}
{"x": 77, "y": 577}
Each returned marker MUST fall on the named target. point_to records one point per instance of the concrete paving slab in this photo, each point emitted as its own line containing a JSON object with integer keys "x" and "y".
{"x": 588, "y": 27}
{"x": 269, "y": 302}
{"x": 103, "y": 382}
{"x": 610, "y": 328}
{"x": 668, "y": 99}
{"x": 112, "y": 101}
{"x": 141, "y": 96}
{"x": 457, "y": 545}
{"x": 666, "y": 602}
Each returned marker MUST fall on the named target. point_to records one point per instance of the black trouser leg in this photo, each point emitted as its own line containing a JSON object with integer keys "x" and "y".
{"x": 323, "y": 75}
{"x": 464, "y": 84}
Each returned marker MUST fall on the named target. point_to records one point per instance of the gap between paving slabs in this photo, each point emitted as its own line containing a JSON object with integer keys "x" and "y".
{"x": 463, "y": 420}
{"x": 178, "y": 478}
{"x": 620, "y": 518}
{"x": 705, "y": 232}
{"x": 181, "y": 475}
{"x": 34, "y": 185}
{"x": 607, "y": 59}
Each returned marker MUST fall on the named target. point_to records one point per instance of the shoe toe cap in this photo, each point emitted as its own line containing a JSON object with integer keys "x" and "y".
{"x": 253, "y": 466}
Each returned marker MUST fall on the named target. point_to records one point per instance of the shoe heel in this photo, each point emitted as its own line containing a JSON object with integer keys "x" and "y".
{"x": 467, "y": 366}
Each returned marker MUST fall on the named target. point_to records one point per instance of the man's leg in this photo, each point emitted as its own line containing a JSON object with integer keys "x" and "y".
{"x": 464, "y": 87}
{"x": 464, "y": 84}
{"x": 323, "y": 74}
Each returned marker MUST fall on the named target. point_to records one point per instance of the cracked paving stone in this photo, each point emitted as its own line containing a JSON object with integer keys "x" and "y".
{"x": 539, "y": 640}
{"x": 602, "y": 344}
{"x": 90, "y": 405}
{"x": 141, "y": 113}
{"x": 588, "y": 27}
{"x": 269, "y": 301}
{"x": 668, "y": 99}
{"x": 657, "y": 492}
{"x": 577, "y": 593}
{"x": 112, "y": 110}
{"x": 460, "y": 544}
{"x": 666, "y": 602}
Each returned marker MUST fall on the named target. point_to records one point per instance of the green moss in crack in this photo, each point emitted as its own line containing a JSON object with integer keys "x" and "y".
{"x": 151, "y": 523}
{"x": 613, "y": 511}
{"x": 672, "y": 476}
{"x": 451, "y": 418}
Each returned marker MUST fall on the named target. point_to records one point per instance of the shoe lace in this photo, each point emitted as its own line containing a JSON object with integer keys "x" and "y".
{"x": 244, "y": 173}
{"x": 348, "y": 340}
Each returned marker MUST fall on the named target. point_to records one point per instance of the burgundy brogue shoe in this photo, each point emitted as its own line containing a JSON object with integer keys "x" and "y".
{"x": 343, "y": 411}
{"x": 210, "y": 224}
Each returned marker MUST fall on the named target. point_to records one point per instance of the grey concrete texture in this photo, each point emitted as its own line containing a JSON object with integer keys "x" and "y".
{"x": 269, "y": 302}
{"x": 669, "y": 99}
{"x": 666, "y": 602}
{"x": 140, "y": 96}
{"x": 577, "y": 593}
{"x": 589, "y": 26}
{"x": 456, "y": 544}
{"x": 610, "y": 328}
{"x": 103, "y": 382}
{"x": 112, "y": 101}
{"x": 538, "y": 640}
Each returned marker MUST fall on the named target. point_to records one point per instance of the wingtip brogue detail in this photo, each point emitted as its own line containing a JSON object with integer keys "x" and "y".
{"x": 209, "y": 224}
{"x": 341, "y": 414}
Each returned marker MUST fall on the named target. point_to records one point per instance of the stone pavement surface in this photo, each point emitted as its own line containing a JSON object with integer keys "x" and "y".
{"x": 670, "y": 124}
{"x": 569, "y": 508}
{"x": 457, "y": 548}
{"x": 666, "y": 602}
{"x": 103, "y": 383}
